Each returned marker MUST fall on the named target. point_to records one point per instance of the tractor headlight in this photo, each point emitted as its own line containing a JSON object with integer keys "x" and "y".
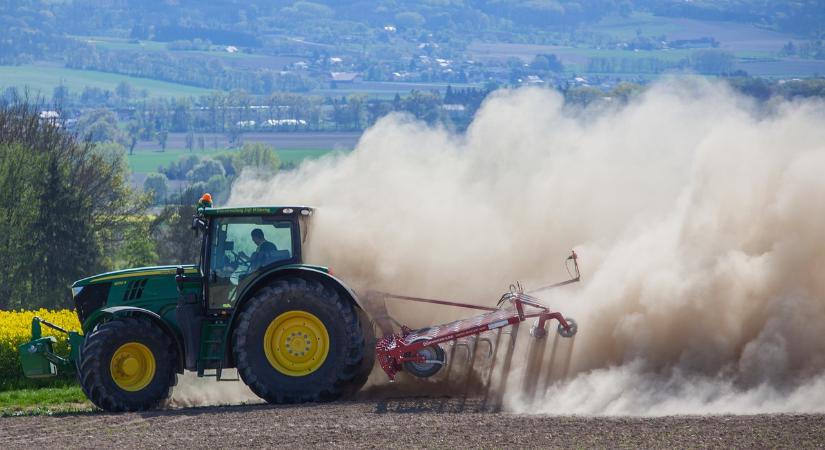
{"x": 76, "y": 290}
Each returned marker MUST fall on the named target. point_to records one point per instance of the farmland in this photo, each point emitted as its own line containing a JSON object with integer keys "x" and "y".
{"x": 43, "y": 78}
{"x": 403, "y": 423}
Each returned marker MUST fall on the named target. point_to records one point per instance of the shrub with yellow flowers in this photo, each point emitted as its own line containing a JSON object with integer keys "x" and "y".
{"x": 15, "y": 329}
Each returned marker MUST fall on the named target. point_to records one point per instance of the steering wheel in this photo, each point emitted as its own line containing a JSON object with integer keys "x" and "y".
{"x": 240, "y": 258}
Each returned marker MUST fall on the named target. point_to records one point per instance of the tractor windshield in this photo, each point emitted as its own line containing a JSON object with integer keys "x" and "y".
{"x": 242, "y": 246}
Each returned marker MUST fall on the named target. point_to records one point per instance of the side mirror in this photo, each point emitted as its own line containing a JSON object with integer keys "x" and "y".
{"x": 198, "y": 224}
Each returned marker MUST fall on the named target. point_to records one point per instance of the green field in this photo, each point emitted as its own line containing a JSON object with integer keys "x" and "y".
{"x": 44, "y": 78}
{"x": 148, "y": 161}
{"x": 44, "y": 401}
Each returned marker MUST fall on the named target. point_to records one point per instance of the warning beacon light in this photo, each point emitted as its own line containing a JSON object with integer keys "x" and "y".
{"x": 205, "y": 201}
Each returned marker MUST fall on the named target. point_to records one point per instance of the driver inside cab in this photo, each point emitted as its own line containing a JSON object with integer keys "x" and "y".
{"x": 264, "y": 254}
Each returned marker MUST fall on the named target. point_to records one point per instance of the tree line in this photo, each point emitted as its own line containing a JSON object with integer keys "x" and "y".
{"x": 70, "y": 212}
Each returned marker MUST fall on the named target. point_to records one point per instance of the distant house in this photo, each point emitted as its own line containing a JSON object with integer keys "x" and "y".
{"x": 336, "y": 60}
{"x": 231, "y": 49}
{"x": 49, "y": 115}
{"x": 272, "y": 123}
{"x": 245, "y": 124}
{"x": 389, "y": 29}
{"x": 533, "y": 80}
{"x": 454, "y": 107}
{"x": 344, "y": 77}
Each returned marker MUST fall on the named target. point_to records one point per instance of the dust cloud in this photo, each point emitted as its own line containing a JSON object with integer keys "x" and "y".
{"x": 699, "y": 218}
{"x": 194, "y": 391}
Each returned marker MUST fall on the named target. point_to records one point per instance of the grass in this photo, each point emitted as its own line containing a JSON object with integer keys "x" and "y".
{"x": 44, "y": 401}
{"x": 44, "y": 78}
{"x": 148, "y": 160}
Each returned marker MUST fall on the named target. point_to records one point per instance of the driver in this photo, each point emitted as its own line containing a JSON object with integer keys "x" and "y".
{"x": 264, "y": 254}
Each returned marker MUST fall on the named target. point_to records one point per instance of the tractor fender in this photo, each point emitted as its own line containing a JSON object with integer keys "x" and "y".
{"x": 120, "y": 311}
{"x": 302, "y": 272}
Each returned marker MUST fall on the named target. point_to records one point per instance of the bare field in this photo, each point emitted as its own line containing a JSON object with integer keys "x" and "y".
{"x": 402, "y": 423}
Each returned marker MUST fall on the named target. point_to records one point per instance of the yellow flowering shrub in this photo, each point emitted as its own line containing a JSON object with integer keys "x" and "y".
{"x": 16, "y": 329}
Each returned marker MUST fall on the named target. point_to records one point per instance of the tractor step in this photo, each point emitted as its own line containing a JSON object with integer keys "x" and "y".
{"x": 217, "y": 374}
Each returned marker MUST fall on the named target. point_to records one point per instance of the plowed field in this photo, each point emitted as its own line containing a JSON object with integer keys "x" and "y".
{"x": 405, "y": 423}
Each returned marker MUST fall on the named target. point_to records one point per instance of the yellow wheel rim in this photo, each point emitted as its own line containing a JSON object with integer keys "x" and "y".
{"x": 296, "y": 343}
{"x": 132, "y": 366}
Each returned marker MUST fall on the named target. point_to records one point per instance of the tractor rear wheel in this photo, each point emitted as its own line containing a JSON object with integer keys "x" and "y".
{"x": 299, "y": 341}
{"x": 127, "y": 364}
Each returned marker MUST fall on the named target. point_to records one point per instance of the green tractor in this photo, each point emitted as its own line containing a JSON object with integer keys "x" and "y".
{"x": 293, "y": 331}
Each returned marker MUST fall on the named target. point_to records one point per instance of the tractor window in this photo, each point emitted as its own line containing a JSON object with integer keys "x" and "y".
{"x": 242, "y": 246}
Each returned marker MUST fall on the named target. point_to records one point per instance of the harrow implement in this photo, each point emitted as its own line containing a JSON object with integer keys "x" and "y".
{"x": 419, "y": 351}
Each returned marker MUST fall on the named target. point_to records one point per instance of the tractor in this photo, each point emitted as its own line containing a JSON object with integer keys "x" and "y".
{"x": 293, "y": 331}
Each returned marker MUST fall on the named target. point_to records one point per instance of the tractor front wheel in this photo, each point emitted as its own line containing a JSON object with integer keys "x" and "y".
{"x": 127, "y": 364}
{"x": 299, "y": 341}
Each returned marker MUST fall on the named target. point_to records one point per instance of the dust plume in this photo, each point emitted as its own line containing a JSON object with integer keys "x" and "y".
{"x": 699, "y": 218}
{"x": 194, "y": 391}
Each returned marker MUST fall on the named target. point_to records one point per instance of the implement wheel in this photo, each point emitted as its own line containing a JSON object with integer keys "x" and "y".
{"x": 127, "y": 364}
{"x": 298, "y": 341}
{"x": 434, "y": 354}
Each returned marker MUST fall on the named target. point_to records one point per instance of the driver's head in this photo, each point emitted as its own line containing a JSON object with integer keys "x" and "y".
{"x": 257, "y": 236}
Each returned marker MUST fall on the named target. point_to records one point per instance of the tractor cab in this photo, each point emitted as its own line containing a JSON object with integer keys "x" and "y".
{"x": 241, "y": 244}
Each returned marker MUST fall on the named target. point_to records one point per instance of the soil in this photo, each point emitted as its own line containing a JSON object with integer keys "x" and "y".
{"x": 402, "y": 423}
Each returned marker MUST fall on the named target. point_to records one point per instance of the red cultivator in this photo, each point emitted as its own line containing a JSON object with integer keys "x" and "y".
{"x": 419, "y": 353}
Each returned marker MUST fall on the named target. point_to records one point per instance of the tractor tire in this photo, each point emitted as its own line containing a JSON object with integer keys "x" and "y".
{"x": 367, "y": 364}
{"x": 127, "y": 364}
{"x": 299, "y": 341}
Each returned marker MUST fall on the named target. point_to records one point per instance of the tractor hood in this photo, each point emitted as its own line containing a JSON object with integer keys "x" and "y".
{"x": 139, "y": 272}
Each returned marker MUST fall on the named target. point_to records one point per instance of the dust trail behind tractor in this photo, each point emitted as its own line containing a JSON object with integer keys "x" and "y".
{"x": 481, "y": 346}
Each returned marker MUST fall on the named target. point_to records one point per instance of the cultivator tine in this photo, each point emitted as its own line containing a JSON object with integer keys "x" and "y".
{"x": 505, "y": 368}
{"x": 548, "y": 376}
{"x": 489, "y": 380}
{"x": 450, "y": 360}
{"x": 469, "y": 374}
{"x": 535, "y": 353}
{"x": 566, "y": 365}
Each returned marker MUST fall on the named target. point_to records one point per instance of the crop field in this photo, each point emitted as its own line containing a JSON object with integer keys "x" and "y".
{"x": 15, "y": 329}
{"x": 44, "y": 78}
{"x": 150, "y": 160}
{"x": 292, "y": 148}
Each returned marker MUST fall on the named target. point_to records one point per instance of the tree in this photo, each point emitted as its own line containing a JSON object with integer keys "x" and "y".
{"x": 258, "y": 156}
{"x": 138, "y": 249}
{"x": 161, "y": 137}
{"x": 124, "y": 90}
{"x": 133, "y": 130}
{"x": 205, "y": 170}
{"x": 99, "y": 125}
{"x": 177, "y": 244}
{"x": 547, "y": 63}
{"x": 712, "y": 61}
{"x": 70, "y": 203}
{"x": 156, "y": 186}
{"x": 190, "y": 141}
{"x": 201, "y": 143}
{"x": 60, "y": 94}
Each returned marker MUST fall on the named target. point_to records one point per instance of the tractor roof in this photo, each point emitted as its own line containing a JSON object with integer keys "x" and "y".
{"x": 258, "y": 211}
